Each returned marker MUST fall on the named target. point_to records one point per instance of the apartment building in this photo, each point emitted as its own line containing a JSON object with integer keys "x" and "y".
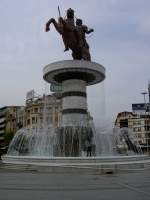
{"x": 11, "y": 119}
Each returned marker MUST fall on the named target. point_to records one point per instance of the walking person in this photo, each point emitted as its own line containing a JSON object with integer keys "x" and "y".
{"x": 88, "y": 148}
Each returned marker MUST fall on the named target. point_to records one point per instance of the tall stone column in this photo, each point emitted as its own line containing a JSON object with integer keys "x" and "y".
{"x": 74, "y": 103}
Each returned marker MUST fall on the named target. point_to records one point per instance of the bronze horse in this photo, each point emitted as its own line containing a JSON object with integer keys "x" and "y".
{"x": 70, "y": 36}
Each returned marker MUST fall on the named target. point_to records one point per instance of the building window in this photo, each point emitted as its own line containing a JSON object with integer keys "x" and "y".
{"x": 134, "y": 129}
{"x": 28, "y": 122}
{"x": 56, "y": 108}
{"x": 123, "y": 123}
{"x": 35, "y": 110}
{"x": 33, "y": 120}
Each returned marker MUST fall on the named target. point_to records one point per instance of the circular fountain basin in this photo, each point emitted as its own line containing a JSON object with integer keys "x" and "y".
{"x": 103, "y": 163}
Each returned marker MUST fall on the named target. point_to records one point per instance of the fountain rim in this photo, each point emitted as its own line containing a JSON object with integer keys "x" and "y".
{"x": 77, "y": 157}
{"x": 97, "y": 160}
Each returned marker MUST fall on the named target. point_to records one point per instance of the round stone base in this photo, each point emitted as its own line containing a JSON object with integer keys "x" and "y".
{"x": 57, "y": 72}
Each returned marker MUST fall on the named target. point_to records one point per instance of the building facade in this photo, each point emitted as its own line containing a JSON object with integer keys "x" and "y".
{"x": 2, "y": 125}
{"x": 11, "y": 119}
{"x": 45, "y": 109}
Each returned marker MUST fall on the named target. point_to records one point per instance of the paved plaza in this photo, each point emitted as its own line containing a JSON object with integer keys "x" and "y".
{"x": 37, "y": 185}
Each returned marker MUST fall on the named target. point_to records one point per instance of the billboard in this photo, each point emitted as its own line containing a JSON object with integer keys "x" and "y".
{"x": 140, "y": 107}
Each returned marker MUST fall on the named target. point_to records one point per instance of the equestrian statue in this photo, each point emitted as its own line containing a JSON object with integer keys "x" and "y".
{"x": 73, "y": 35}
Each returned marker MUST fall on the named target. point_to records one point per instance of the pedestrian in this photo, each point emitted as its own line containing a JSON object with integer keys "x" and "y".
{"x": 88, "y": 147}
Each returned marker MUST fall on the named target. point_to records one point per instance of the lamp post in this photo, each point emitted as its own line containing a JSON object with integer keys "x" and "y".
{"x": 145, "y": 106}
{"x": 144, "y": 95}
{"x": 149, "y": 91}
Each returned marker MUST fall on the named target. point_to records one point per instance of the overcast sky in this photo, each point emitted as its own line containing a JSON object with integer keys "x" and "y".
{"x": 121, "y": 43}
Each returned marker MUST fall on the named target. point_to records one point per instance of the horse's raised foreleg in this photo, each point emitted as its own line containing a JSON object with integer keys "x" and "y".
{"x": 56, "y": 25}
{"x": 47, "y": 26}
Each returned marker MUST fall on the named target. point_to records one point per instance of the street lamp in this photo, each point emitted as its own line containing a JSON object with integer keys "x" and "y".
{"x": 144, "y": 94}
{"x": 145, "y": 106}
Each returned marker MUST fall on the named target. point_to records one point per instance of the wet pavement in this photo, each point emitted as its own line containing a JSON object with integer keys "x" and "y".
{"x": 26, "y": 185}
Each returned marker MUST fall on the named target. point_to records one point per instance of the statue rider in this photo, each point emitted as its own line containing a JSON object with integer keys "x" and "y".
{"x": 81, "y": 30}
